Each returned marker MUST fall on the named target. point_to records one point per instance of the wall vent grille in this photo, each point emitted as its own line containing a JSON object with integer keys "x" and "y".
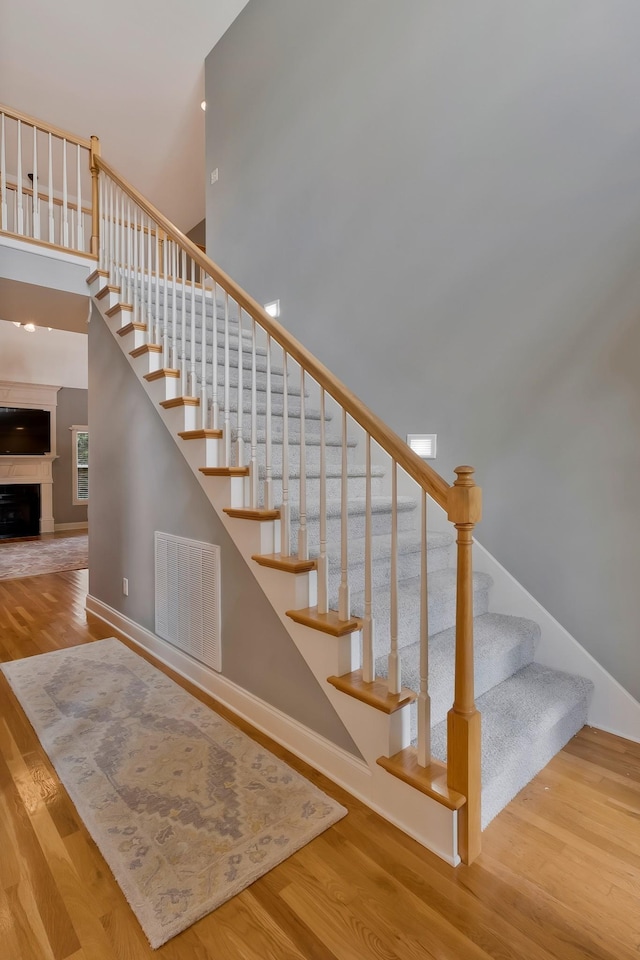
{"x": 188, "y": 596}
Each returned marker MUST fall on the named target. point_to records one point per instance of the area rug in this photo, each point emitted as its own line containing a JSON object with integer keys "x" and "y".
{"x": 29, "y": 558}
{"x": 185, "y": 808}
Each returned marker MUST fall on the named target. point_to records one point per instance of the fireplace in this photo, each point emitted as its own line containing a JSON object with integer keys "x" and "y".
{"x": 19, "y": 510}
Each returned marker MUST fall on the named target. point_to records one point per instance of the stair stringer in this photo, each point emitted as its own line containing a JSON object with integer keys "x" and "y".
{"x": 375, "y": 733}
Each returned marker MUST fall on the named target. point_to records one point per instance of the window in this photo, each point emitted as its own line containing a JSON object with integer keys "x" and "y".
{"x": 80, "y": 472}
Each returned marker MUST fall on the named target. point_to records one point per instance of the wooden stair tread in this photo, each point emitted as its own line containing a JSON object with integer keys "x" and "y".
{"x": 375, "y": 693}
{"x": 431, "y": 780}
{"x": 224, "y": 471}
{"x": 121, "y": 308}
{"x": 96, "y": 273}
{"x": 326, "y": 622}
{"x": 145, "y": 348}
{"x": 110, "y": 288}
{"x": 241, "y": 513}
{"x": 164, "y": 373}
{"x": 289, "y": 564}
{"x": 180, "y": 402}
{"x": 123, "y": 331}
{"x": 202, "y": 434}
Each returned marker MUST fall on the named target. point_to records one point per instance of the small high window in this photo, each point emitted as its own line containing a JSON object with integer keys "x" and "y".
{"x": 80, "y": 472}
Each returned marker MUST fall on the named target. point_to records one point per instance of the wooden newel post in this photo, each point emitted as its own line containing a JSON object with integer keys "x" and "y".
{"x": 95, "y": 203}
{"x": 463, "y": 720}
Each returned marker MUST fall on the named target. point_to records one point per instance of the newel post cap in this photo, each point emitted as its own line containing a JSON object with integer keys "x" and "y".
{"x": 464, "y": 500}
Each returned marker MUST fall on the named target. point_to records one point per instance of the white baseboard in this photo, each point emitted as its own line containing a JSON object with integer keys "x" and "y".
{"x": 71, "y": 526}
{"x": 428, "y": 822}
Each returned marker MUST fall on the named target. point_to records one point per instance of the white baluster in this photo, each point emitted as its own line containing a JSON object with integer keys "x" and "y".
{"x": 193, "y": 387}
{"x": 157, "y": 332}
{"x": 183, "y": 325}
{"x": 117, "y": 274}
{"x": 344, "y": 594}
{"x": 150, "y": 310}
{"x": 129, "y": 256}
{"x": 215, "y": 403}
{"x": 303, "y": 541}
{"x": 227, "y": 420}
{"x": 368, "y": 661}
{"x": 285, "y": 517}
{"x": 253, "y": 467}
{"x": 136, "y": 303}
{"x": 52, "y": 221}
{"x": 240, "y": 439}
{"x": 174, "y": 306}
{"x": 204, "y": 398}
{"x": 166, "y": 347}
{"x": 111, "y": 232}
{"x": 323, "y": 565}
{"x": 268, "y": 469}
{"x": 35, "y": 206}
{"x": 424, "y": 701}
{"x": 65, "y": 197}
{"x": 394, "y": 655}
{"x": 3, "y": 180}
{"x": 19, "y": 208}
{"x": 79, "y": 220}
{"x": 144, "y": 288}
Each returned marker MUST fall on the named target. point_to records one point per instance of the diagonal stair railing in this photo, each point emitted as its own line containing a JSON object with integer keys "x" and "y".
{"x": 288, "y": 426}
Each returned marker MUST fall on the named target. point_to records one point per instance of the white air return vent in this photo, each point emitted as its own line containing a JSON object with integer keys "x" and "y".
{"x": 188, "y": 596}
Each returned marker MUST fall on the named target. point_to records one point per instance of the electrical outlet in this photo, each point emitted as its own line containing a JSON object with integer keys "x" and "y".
{"x": 214, "y": 175}
{"x": 125, "y": 586}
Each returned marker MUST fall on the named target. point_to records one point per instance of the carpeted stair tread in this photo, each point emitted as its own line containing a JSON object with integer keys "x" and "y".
{"x": 526, "y": 720}
{"x": 408, "y": 542}
{"x": 503, "y": 645}
{"x": 357, "y": 507}
{"x": 442, "y": 605}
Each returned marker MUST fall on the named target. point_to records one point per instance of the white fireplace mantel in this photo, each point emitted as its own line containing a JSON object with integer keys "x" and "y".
{"x": 29, "y": 469}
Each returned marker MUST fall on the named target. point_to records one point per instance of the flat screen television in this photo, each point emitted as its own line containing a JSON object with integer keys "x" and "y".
{"x": 24, "y": 432}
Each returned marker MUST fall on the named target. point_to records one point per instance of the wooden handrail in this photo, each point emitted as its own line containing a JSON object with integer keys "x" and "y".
{"x": 421, "y": 472}
{"x": 45, "y": 127}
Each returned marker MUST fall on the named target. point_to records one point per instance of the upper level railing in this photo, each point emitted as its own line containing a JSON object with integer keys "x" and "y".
{"x": 275, "y": 404}
{"x": 45, "y": 183}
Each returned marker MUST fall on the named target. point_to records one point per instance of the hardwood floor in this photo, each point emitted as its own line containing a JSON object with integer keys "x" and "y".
{"x": 559, "y": 875}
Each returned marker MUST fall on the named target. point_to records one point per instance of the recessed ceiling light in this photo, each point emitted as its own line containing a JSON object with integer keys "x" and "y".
{"x": 16, "y": 323}
{"x": 49, "y": 329}
{"x": 203, "y": 105}
{"x": 30, "y": 327}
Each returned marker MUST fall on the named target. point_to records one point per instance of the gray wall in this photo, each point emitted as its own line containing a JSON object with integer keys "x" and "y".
{"x": 141, "y": 483}
{"x": 445, "y": 197}
{"x": 71, "y": 410}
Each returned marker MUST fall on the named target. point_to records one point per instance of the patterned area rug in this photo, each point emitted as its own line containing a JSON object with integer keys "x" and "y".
{"x": 185, "y": 808}
{"x": 29, "y": 558}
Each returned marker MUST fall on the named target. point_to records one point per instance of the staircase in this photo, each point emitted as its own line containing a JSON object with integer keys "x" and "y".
{"x": 529, "y": 712}
{"x": 364, "y": 552}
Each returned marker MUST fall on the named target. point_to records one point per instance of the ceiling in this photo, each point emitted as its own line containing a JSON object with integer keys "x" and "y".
{"x": 131, "y": 73}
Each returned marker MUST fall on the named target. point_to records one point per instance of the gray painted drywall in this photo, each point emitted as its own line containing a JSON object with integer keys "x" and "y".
{"x": 445, "y": 198}
{"x": 71, "y": 411}
{"x": 141, "y": 483}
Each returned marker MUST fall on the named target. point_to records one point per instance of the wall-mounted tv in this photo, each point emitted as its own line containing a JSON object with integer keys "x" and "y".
{"x": 24, "y": 432}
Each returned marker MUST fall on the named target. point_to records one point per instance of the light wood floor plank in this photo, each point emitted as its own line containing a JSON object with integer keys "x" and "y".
{"x": 558, "y": 879}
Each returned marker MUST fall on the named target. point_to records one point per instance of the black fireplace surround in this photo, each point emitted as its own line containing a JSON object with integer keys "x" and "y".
{"x": 19, "y": 510}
